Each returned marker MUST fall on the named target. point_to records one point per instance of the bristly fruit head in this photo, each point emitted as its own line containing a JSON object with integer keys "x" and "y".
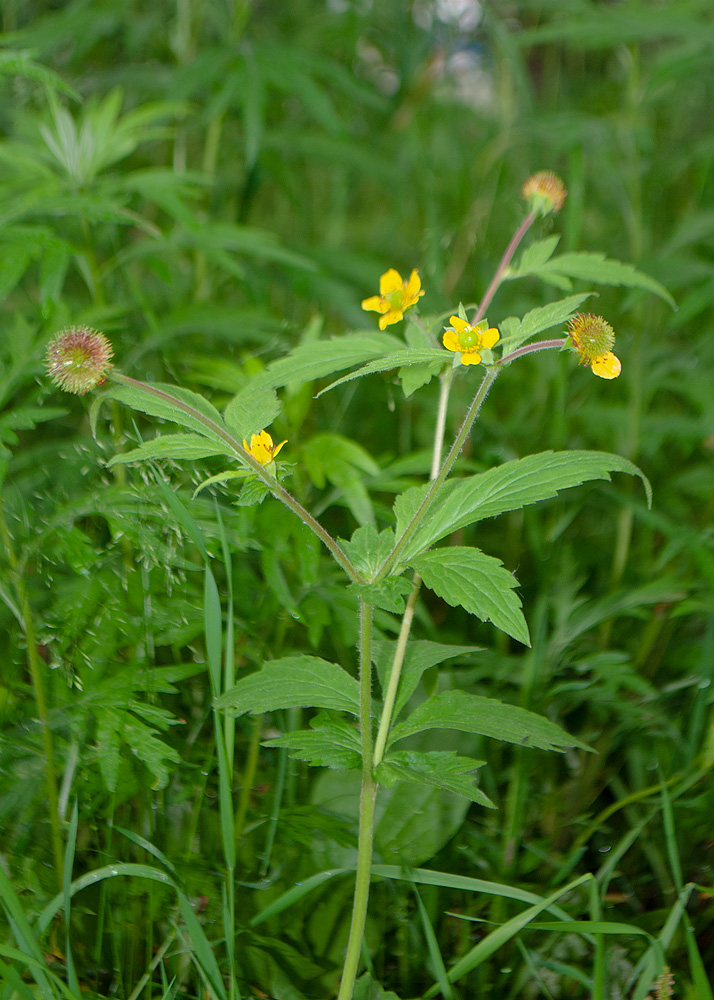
{"x": 544, "y": 192}
{"x": 593, "y": 338}
{"x": 78, "y": 359}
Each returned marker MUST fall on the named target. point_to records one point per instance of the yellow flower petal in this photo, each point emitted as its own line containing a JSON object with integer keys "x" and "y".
{"x": 490, "y": 337}
{"x": 393, "y": 316}
{"x": 277, "y": 447}
{"x": 261, "y": 447}
{"x": 458, "y": 324}
{"x": 413, "y": 287}
{"x": 390, "y": 281}
{"x": 451, "y": 341}
{"x": 471, "y": 358}
{"x": 606, "y": 366}
{"x": 375, "y": 303}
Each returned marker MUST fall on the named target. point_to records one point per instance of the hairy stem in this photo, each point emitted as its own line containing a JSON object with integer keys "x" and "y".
{"x": 278, "y": 491}
{"x": 368, "y": 795}
{"x": 501, "y": 269}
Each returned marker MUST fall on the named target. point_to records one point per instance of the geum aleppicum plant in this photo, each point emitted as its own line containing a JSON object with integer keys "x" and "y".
{"x": 375, "y": 563}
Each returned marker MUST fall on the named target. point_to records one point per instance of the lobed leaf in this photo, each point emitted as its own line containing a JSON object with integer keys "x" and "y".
{"x": 330, "y": 742}
{"x": 442, "y": 769}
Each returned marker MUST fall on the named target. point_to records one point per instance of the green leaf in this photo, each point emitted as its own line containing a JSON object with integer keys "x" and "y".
{"x": 477, "y": 582}
{"x": 398, "y": 359}
{"x": 293, "y": 682}
{"x": 415, "y": 376}
{"x": 367, "y": 988}
{"x": 254, "y": 492}
{"x": 166, "y": 406}
{"x": 221, "y": 477}
{"x": 442, "y": 769}
{"x": 472, "y": 713}
{"x": 389, "y": 594}
{"x": 368, "y": 549}
{"x": 595, "y": 267}
{"x": 537, "y": 320}
{"x": 421, "y": 655}
{"x": 252, "y": 410}
{"x": 507, "y": 487}
{"x": 339, "y": 460}
{"x": 330, "y": 742}
{"x": 319, "y": 358}
{"x": 191, "y": 446}
{"x": 536, "y": 254}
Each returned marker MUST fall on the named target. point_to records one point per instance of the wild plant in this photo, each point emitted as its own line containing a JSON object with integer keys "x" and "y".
{"x": 355, "y": 725}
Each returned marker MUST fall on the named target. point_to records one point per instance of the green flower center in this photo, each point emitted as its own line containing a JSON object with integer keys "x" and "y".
{"x": 469, "y": 338}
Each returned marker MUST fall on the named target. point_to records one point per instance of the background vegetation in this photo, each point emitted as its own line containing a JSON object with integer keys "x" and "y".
{"x": 210, "y": 184}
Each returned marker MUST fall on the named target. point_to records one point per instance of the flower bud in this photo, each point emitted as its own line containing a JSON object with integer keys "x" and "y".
{"x": 544, "y": 192}
{"x": 78, "y": 359}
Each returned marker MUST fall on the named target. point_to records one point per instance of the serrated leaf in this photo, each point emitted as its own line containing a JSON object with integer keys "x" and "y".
{"x": 389, "y": 595}
{"x": 253, "y": 492}
{"x": 472, "y": 713}
{"x": 319, "y": 358}
{"x": 367, "y": 549}
{"x": 506, "y": 487}
{"x": 601, "y": 269}
{"x": 442, "y": 769}
{"x": 420, "y": 656}
{"x": 191, "y": 446}
{"x": 398, "y": 359}
{"x": 166, "y": 406}
{"x": 538, "y": 320}
{"x": 537, "y": 253}
{"x": 293, "y": 682}
{"x": 252, "y": 410}
{"x": 477, "y": 582}
{"x": 330, "y": 742}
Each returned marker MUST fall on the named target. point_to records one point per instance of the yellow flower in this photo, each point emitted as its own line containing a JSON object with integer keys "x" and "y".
{"x": 262, "y": 448}
{"x": 593, "y": 339}
{"x": 395, "y": 297}
{"x": 468, "y": 340}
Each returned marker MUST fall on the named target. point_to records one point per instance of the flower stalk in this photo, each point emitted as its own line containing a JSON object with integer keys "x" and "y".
{"x": 247, "y": 458}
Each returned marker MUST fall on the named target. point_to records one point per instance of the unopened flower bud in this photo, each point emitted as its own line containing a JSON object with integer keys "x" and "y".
{"x": 78, "y": 359}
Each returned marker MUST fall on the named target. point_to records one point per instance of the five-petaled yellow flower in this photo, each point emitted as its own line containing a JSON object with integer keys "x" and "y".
{"x": 261, "y": 447}
{"x": 593, "y": 337}
{"x": 395, "y": 297}
{"x": 468, "y": 340}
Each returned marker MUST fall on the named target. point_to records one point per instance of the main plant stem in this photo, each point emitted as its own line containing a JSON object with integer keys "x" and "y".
{"x": 368, "y": 795}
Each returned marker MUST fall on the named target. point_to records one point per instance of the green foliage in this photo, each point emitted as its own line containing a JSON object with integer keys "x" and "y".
{"x": 470, "y": 713}
{"x": 477, "y": 582}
